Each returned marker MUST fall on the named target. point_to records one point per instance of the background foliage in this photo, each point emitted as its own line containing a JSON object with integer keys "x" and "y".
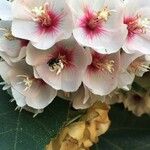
{"x": 19, "y": 131}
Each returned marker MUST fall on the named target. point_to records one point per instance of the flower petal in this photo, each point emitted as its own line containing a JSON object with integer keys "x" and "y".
{"x": 5, "y": 10}
{"x": 102, "y": 82}
{"x": 108, "y": 42}
{"x": 36, "y": 56}
{"x": 19, "y": 98}
{"x": 39, "y": 97}
{"x": 83, "y": 98}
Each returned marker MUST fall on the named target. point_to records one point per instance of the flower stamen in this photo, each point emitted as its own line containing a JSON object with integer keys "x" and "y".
{"x": 42, "y": 15}
{"x": 7, "y": 34}
{"x": 26, "y": 81}
{"x": 137, "y": 25}
{"x": 139, "y": 65}
{"x": 108, "y": 65}
{"x": 104, "y": 14}
{"x": 144, "y": 22}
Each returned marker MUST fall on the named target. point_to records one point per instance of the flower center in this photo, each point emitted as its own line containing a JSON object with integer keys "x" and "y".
{"x": 136, "y": 25}
{"x": 92, "y": 22}
{"x": 101, "y": 63}
{"x": 138, "y": 65}
{"x": 99, "y": 17}
{"x": 104, "y": 14}
{"x": 27, "y": 81}
{"x": 56, "y": 65}
{"x": 7, "y": 34}
{"x": 107, "y": 65}
{"x": 42, "y": 15}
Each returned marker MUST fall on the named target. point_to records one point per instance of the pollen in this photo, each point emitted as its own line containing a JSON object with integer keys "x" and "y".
{"x": 104, "y": 14}
{"x": 41, "y": 15}
{"x": 106, "y": 66}
{"x": 26, "y": 81}
{"x": 38, "y": 11}
{"x": 110, "y": 66}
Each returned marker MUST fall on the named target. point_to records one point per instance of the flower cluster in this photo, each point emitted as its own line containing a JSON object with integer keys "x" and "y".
{"x": 82, "y": 48}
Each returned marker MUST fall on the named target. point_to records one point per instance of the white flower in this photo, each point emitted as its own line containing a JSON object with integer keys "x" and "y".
{"x": 101, "y": 76}
{"x": 11, "y": 49}
{"x": 62, "y": 66}
{"x": 140, "y": 66}
{"x": 108, "y": 72}
{"x": 43, "y": 22}
{"x": 138, "y": 104}
{"x": 99, "y": 24}
{"x": 5, "y": 10}
{"x": 26, "y": 89}
{"x": 137, "y": 19}
{"x": 128, "y": 69}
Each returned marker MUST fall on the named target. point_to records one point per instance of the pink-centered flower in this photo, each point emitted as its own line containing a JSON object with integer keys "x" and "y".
{"x": 135, "y": 64}
{"x": 108, "y": 72}
{"x": 26, "y": 89}
{"x": 11, "y": 49}
{"x": 62, "y": 66}
{"x": 101, "y": 75}
{"x": 99, "y": 24}
{"x": 43, "y": 22}
{"x": 137, "y": 19}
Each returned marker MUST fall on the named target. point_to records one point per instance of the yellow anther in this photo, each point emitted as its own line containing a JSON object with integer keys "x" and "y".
{"x": 26, "y": 81}
{"x": 38, "y": 11}
{"x": 144, "y": 23}
{"x": 110, "y": 66}
{"x": 104, "y": 14}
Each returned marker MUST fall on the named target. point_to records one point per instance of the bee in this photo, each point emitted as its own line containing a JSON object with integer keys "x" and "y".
{"x": 55, "y": 65}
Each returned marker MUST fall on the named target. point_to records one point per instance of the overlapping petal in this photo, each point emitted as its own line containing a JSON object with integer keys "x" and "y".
{"x": 99, "y": 24}
{"x": 25, "y": 88}
{"x": 62, "y": 66}
{"x": 42, "y": 22}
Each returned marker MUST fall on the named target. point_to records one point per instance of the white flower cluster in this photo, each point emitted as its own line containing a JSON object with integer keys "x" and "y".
{"x": 86, "y": 47}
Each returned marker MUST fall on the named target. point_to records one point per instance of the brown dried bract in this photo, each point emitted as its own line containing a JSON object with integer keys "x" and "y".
{"x": 82, "y": 134}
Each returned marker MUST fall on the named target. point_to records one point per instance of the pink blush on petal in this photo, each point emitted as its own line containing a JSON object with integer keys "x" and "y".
{"x": 91, "y": 25}
{"x": 133, "y": 27}
{"x": 50, "y": 23}
{"x": 96, "y": 59}
{"x": 64, "y": 54}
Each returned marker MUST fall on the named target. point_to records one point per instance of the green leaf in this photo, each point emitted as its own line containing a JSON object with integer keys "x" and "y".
{"x": 20, "y": 131}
